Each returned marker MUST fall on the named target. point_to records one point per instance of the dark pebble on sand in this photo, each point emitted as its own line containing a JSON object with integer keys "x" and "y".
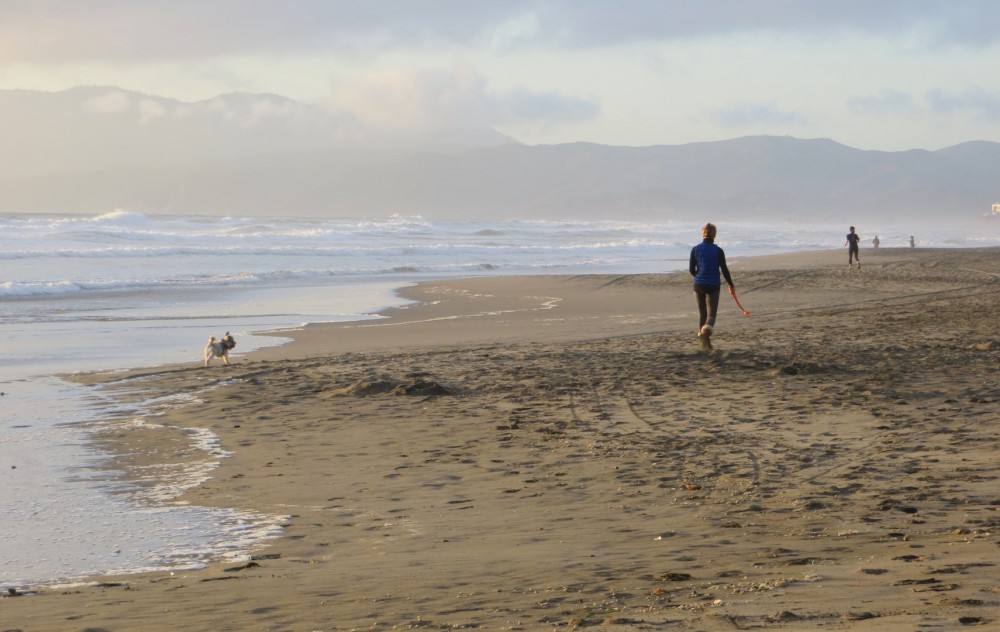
{"x": 674, "y": 577}
{"x": 858, "y": 616}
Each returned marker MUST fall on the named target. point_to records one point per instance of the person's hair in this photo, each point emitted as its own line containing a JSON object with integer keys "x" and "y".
{"x": 852, "y": 228}
{"x": 708, "y": 230}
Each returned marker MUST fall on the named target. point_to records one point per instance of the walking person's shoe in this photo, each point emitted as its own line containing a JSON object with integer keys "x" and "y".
{"x": 705, "y": 336}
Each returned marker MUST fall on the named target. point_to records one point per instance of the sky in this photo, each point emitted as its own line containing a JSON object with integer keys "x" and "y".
{"x": 874, "y": 74}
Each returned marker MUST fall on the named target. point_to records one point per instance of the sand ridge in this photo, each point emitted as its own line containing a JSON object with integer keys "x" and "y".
{"x": 570, "y": 459}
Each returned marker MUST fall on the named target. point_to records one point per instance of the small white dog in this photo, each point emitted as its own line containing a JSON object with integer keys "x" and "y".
{"x": 219, "y": 348}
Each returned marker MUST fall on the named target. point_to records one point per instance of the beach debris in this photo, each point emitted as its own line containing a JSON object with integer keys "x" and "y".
{"x": 858, "y": 616}
{"x": 913, "y": 582}
{"x": 960, "y": 568}
{"x": 674, "y": 577}
{"x": 971, "y": 620}
{"x": 813, "y": 505}
{"x": 937, "y": 588}
{"x": 785, "y": 616}
{"x": 909, "y": 558}
{"x": 418, "y": 387}
{"x": 808, "y": 561}
{"x": 889, "y": 503}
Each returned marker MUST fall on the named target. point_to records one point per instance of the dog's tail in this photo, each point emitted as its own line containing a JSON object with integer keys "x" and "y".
{"x": 211, "y": 340}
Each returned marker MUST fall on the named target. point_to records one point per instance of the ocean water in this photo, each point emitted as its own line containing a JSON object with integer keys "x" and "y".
{"x": 122, "y": 290}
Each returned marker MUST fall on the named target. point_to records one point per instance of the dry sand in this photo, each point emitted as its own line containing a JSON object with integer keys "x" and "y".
{"x": 555, "y": 452}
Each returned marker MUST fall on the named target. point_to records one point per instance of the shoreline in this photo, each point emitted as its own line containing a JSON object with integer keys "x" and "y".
{"x": 565, "y": 433}
{"x": 515, "y": 300}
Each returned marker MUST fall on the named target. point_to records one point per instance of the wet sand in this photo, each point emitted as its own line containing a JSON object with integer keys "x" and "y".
{"x": 536, "y": 453}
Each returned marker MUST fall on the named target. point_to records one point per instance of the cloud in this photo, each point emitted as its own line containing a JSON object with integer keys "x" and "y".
{"x": 414, "y": 99}
{"x": 112, "y": 102}
{"x": 235, "y": 110}
{"x": 150, "y": 110}
{"x": 126, "y": 30}
{"x": 755, "y": 115}
{"x": 524, "y": 106}
{"x": 601, "y": 23}
{"x": 985, "y": 105}
{"x": 252, "y": 111}
{"x": 884, "y": 102}
{"x": 57, "y": 31}
{"x": 515, "y": 31}
{"x": 981, "y": 103}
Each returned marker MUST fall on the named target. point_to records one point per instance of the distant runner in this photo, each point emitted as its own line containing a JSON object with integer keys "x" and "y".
{"x": 707, "y": 260}
{"x": 853, "y": 239}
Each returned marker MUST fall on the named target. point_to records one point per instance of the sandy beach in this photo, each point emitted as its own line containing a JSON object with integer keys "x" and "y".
{"x": 555, "y": 452}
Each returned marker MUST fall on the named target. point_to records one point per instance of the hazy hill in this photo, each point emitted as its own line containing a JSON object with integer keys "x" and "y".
{"x": 95, "y": 149}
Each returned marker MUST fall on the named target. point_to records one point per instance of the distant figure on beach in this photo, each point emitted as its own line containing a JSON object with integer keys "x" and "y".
{"x": 707, "y": 260}
{"x": 913, "y": 244}
{"x": 853, "y": 239}
{"x": 875, "y": 242}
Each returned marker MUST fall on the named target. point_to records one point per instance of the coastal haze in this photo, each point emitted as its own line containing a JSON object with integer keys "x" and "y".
{"x": 99, "y": 148}
{"x": 749, "y": 111}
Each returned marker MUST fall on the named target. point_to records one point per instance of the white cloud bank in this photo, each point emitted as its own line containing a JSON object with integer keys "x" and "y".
{"x": 643, "y": 72}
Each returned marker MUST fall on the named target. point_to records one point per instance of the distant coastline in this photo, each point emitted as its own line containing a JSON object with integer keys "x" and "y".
{"x": 267, "y": 169}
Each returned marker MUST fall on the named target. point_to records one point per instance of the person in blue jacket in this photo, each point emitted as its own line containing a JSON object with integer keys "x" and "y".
{"x": 707, "y": 261}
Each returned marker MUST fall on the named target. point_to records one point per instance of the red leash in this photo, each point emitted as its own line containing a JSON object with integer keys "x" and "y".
{"x": 732, "y": 292}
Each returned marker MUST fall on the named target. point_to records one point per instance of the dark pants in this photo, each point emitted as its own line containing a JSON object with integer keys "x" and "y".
{"x": 707, "y": 298}
{"x": 852, "y": 254}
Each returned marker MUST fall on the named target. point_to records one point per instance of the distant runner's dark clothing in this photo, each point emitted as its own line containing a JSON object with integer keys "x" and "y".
{"x": 853, "y": 239}
{"x": 707, "y": 260}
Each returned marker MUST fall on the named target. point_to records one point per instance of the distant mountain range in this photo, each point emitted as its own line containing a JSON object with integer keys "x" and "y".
{"x": 99, "y": 148}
